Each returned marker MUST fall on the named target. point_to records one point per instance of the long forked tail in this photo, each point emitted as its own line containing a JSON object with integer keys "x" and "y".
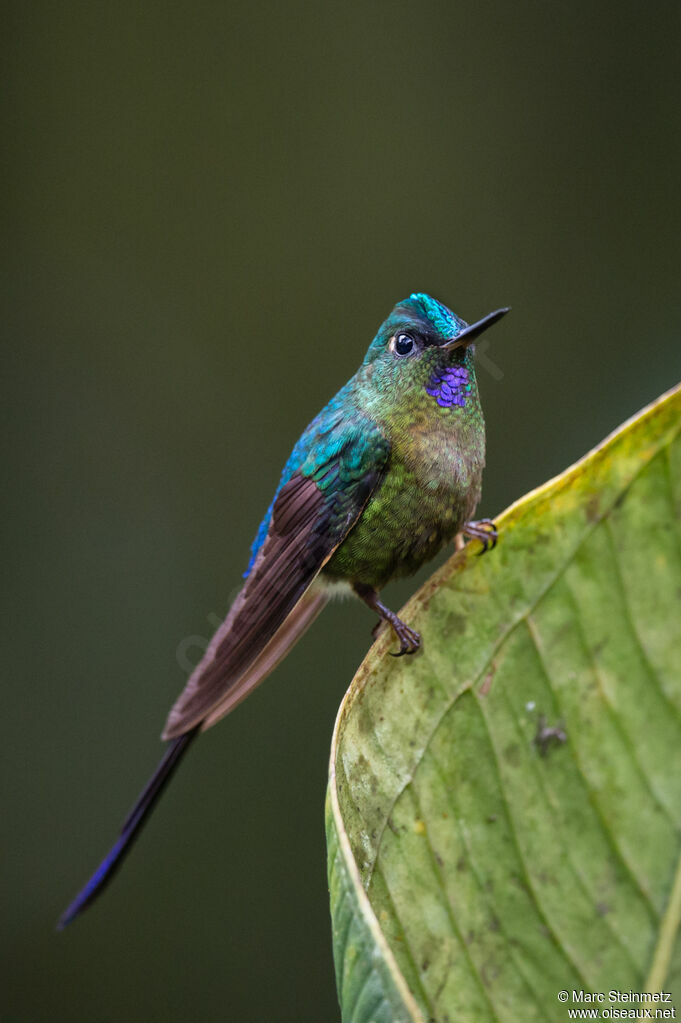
{"x": 131, "y": 828}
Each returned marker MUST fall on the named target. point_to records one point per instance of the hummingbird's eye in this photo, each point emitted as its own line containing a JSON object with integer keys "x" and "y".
{"x": 402, "y": 344}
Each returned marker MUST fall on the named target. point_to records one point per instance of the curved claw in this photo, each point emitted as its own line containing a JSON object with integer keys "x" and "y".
{"x": 410, "y": 640}
{"x": 483, "y": 530}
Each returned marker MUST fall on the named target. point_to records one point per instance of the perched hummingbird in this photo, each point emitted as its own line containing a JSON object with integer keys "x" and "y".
{"x": 385, "y": 475}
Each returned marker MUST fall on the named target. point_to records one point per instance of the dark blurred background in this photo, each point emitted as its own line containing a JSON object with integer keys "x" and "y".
{"x": 208, "y": 210}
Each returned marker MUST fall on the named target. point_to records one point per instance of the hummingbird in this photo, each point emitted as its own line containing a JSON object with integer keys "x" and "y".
{"x": 387, "y": 473}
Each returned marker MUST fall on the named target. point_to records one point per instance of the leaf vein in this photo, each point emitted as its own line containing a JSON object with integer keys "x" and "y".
{"x": 619, "y": 855}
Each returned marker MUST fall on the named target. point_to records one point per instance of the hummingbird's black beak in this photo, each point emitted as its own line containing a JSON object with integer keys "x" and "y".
{"x": 468, "y": 334}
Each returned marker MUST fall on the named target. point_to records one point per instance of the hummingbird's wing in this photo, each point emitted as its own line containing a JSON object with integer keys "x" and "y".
{"x": 336, "y": 472}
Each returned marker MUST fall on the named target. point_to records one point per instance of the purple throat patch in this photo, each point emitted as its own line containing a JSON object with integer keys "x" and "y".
{"x": 450, "y": 386}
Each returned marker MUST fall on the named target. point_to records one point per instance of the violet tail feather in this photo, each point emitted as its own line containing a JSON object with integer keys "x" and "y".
{"x": 131, "y": 828}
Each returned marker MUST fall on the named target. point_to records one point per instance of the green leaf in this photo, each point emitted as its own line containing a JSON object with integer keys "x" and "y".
{"x": 476, "y": 871}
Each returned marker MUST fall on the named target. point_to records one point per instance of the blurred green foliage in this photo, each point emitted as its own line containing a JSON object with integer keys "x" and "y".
{"x": 207, "y": 211}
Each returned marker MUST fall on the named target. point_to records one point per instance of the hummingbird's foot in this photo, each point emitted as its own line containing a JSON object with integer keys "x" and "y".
{"x": 483, "y": 530}
{"x": 410, "y": 640}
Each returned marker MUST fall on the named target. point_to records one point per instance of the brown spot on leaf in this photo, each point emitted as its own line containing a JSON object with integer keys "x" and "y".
{"x": 487, "y": 681}
{"x": 454, "y": 625}
{"x": 512, "y": 754}
{"x": 592, "y": 508}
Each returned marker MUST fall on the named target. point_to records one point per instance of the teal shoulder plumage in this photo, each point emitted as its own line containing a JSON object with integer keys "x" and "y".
{"x": 339, "y": 450}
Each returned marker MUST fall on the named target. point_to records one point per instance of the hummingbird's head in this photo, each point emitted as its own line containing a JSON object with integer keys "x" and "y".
{"x": 423, "y": 342}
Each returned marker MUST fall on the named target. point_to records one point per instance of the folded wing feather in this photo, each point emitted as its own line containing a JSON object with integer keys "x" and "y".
{"x": 277, "y": 602}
